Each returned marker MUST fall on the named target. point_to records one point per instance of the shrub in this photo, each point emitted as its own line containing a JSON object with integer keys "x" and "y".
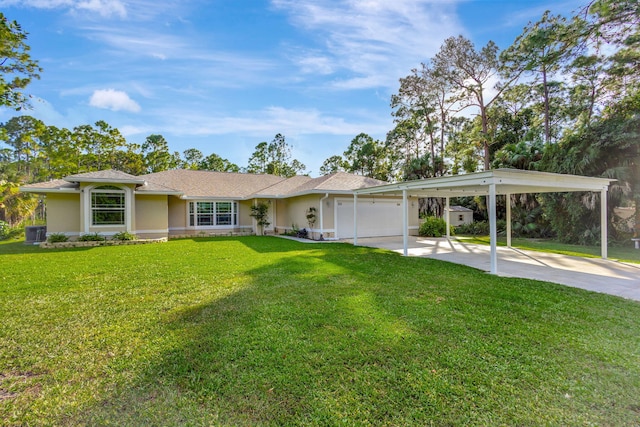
{"x": 4, "y": 229}
{"x": 92, "y": 237}
{"x": 481, "y": 228}
{"x": 124, "y": 235}
{"x": 260, "y": 212}
{"x": 57, "y": 238}
{"x": 477, "y": 228}
{"x": 434, "y": 227}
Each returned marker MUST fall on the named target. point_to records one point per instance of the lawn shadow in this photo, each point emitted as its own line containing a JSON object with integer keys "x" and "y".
{"x": 291, "y": 346}
{"x": 19, "y": 248}
{"x": 330, "y": 336}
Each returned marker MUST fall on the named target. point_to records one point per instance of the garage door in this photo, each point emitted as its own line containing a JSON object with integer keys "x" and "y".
{"x": 375, "y": 218}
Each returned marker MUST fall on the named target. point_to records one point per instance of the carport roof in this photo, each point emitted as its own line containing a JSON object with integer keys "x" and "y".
{"x": 507, "y": 181}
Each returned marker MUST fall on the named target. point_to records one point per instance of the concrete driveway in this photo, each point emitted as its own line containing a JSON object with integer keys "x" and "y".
{"x": 594, "y": 274}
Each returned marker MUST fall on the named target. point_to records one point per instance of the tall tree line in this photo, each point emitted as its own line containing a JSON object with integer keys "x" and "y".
{"x": 562, "y": 98}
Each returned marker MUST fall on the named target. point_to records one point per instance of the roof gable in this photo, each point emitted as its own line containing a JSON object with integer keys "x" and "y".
{"x": 108, "y": 175}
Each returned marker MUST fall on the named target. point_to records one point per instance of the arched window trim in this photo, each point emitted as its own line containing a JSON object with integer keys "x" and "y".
{"x": 107, "y": 189}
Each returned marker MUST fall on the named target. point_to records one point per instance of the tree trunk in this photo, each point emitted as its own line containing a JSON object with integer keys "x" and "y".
{"x": 545, "y": 89}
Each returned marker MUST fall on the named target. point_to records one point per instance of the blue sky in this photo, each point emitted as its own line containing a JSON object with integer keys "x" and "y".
{"x": 223, "y": 75}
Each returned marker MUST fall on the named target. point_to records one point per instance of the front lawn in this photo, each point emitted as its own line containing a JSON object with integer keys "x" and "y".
{"x": 267, "y": 331}
{"x": 620, "y": 253}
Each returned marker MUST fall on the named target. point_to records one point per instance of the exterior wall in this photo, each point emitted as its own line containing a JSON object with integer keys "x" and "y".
{"x": 63, "y": 214}
{"x": 414, "y": 216}
{"x": 292, "y": 213}
{"x": 178, "y": 220}
{"x": 454, "y": 218}
{"x": 152, "y": 216}
{"x": 245, "y": 219}
{"x": 177, "y": 215}
{"x": 282, "y": 223}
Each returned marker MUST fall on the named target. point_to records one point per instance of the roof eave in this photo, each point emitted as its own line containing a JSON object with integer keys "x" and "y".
{"x": 48, "y": 190}
{"x": 106, "y": 180}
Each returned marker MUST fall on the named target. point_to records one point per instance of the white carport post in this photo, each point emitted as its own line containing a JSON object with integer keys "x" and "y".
{"x": 603, "y": 222}
{"x": 493, "y": 232}
{"x": 448, "y": 215}
{"x": 405, "y": 222}
{"x": 508, "y": 203}
{"x": 355, "y": 219}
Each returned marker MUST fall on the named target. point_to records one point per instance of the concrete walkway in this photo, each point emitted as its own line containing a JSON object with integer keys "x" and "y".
{"x": 594, "y": 274}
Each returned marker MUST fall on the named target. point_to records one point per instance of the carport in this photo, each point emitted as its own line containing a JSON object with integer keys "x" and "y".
{"x": 490, "y": 184}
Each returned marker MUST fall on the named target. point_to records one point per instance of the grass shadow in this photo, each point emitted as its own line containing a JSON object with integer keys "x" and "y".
{"x": 357, "y": 336}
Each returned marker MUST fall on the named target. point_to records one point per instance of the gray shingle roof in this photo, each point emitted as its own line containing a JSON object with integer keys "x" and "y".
{"x": 56, "y": 184}
{"x": 108, "y": 175}
{"x": 208, "y": 184}
{"x": 340, "y": 181}
{"x": 285, "y": 187}
{"x": 459, "y": 209}
{"x": 194, "y": 183}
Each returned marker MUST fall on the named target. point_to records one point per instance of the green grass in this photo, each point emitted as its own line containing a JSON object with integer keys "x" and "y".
{"x": 624, "y": 253}
{"x": 265, "y": 331}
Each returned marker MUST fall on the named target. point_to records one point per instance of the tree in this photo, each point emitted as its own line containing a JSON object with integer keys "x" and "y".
{"x": 192, "y": 158}
{"x": 24, "y": 133}
{"x": 332, "y": 165}
{"x": 462, "y": 149}
{"x": 610, "y": 148}
{"x": 539, "y": 50}
{"x": 15, "y": 206}
{"x": 470, "y": 74}
{"x": 368, "y": 157}
{"x": 422, "y": 107}
{"x": 17, "y": 69}
{"x": 213, "y": 162}
{"x": 157, "y": 158}
{"x": 275, "y": 159}
{"x": 129, "y": 160}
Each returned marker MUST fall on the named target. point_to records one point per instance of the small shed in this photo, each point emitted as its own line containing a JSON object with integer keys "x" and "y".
{"x": 459, "y": 215}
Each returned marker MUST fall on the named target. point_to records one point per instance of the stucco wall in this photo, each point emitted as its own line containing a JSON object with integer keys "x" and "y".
{"x": 179, "y": 222}
{"x": 454, "y": 218}
{"x": 152, "y": 216}
{"x": 244, "y": 214}
{"x": 293, "y": 213}
{"x": 177, "y": 215}
{"x": 63, "y": 214}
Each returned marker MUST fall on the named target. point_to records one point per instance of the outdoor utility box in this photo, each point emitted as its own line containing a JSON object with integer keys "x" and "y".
{"x": 35, "y": 234}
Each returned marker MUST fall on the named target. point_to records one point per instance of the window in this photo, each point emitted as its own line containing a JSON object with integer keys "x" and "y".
{"x": 461, "y": 217}
{"x": 207, "y": 214}
{"x": 107, "y": 206}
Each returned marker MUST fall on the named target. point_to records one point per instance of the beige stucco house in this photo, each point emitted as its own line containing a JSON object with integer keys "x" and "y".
{"x": 189, "y": 202}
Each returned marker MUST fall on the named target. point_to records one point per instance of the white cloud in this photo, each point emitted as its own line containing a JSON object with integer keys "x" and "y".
{"x": 267, "y": 122}
{"x": 112, "y": 99}
{"x": 316, "y": 64}
{"x": 104, "y": 8}
{"x": 372, "y": 42}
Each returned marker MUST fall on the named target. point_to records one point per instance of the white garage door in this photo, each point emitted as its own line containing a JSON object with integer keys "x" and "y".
{"x": 375, "y": 218}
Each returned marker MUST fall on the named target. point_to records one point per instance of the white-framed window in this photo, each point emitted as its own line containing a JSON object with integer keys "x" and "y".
{"x": 213, "y": 213}
{"x": 108, "y": 206}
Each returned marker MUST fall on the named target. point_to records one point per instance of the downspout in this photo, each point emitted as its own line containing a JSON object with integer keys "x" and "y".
{"x": 326, "y": 195}
{"x": 254, "y": 221}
